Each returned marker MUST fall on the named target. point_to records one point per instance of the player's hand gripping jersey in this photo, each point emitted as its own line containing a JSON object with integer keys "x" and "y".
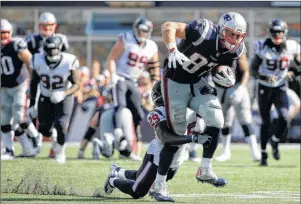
{"x": 57, "y": 77}
{"x": 134, "y": 58}
{"x": 13, "y": 71}
{"x": 274, "y": 63}
{"x": 204, "y": 52}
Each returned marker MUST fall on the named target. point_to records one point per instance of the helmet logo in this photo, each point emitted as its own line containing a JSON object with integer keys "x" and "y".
{"x": 227, "y": 17}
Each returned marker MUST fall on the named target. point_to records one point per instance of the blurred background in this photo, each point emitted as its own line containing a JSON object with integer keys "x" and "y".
{"x": 92, "y": 27}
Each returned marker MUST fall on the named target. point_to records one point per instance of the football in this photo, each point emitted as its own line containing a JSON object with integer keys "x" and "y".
{"x": 219, "y": 69}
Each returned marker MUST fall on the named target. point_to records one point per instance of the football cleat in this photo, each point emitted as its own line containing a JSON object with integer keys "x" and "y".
{"x": 108, "y": 188}
{"x": 276, "y": 153}
{"x": 60, "y": 155}
{"x": 159, "y": 192}
{"x": 223, "y": 157}
{"x": 264, "y": 159}
{"x": 7, "y": 155}
{"x": 80, "y": 154}
{"x": 115, "y": 167}
{"x": 206, "y": 175}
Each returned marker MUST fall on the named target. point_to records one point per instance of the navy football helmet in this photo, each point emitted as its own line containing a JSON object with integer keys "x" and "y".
{"x": 278, "y": 31}
{"x": 157, "y": 94}
{"x": 142, "y": 29}
{"x": 52, "y": 48}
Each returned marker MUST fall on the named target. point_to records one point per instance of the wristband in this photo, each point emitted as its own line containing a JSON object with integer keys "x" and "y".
{"x": 171, "y": 47}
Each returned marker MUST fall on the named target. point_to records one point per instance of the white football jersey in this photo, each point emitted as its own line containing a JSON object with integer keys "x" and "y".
{"x": 275, "y": 63}
{"x": 133, "y": 60}
{"x": 154, "y": 118}
{"x": 56, "y": 78}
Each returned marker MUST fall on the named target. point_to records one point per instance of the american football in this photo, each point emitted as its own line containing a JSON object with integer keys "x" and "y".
{"x": 150, "y": 101}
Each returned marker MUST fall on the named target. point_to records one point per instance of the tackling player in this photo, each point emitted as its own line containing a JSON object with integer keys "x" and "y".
{"x": 15, "y": 59}
{"x": 138, "y": 183}
{"x": 58, "y": 78}
{"x": 130, "y": 55}
{"x": 270, "y": 64}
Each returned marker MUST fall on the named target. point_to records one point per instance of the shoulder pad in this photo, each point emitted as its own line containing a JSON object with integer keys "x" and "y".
{"x": 293, "y": 46}
{"x": 19, "y": 44}
{"x": 201, "y": 30}
{"x": 156, "y": 116}
{"x": 257, "y": 46}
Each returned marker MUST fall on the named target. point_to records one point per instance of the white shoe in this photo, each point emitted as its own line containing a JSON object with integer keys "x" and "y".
{"x": 108, "y": 188}
{"x": 223, "y": 157}
{"x": 159, "y": 187}
{"x": 134, "y": 157}
{"x": 60, "y": 155}
{"x": 195, "y": 159}
{"x": 206, "y": 175}
{"x": 7, "y": 155}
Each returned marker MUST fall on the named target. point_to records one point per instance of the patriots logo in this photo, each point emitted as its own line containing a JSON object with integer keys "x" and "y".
{"x": 227, "y": 17}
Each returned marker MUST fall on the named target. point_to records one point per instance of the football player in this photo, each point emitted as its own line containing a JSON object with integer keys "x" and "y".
{"x": 237, "y": 97}
{"x": 270, "y": 64}
{"x": 15, "y": 59}
{"x": 129, "y": 57}
{"x": 138, "y": 183}
{"x": 203, "y": 47}
{"x": 58, "y": 78}
{"x": 47, "y": 27}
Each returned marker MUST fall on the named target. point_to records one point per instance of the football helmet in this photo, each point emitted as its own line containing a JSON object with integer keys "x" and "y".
{"x": 232, "y": 29}
{"x": 157, "y": 94}
{"x": 6, "y": 31}
{"x": 278, "y": 31}
{"x": 52, "y": 48}
{"x": 142, "y": 29}
{"x": 47, "y": 24}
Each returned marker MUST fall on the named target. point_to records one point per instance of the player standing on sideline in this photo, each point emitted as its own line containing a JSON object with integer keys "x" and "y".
{"x": 270, "y": 64}
{"x": 237, "y": 97}
{"x": 15, "y": 59}
{"x": 129, "y": 57}
{"x": 203, "y": 47}
{"x": 53, "y": 70}
{"x": 137, "y": 183}
{"x": 47, "y": 28}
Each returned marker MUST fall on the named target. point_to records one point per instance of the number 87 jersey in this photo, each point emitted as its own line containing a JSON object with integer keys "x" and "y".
{"x": 54, "y": 78}
{"x": 134, "y": 59}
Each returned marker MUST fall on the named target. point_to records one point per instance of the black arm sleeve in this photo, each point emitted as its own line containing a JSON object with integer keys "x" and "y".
{"x": 256, "y": 61}
{"x": 35, "y": 79}
{"x": 169, "y": 138}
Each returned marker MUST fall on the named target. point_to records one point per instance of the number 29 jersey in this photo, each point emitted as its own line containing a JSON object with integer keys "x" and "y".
{"x": 202, "y": 47}
{"x": 133, "y": 60}
{"x": 57, "y": 77}
{"x": 13, "y": 71}
{"x": 275, "y": 62}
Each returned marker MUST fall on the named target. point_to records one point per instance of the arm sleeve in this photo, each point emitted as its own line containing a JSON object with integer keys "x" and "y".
{"x": 34, "y": 87}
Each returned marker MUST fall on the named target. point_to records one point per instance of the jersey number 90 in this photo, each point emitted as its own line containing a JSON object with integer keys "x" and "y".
{"x": 282, "y": 64}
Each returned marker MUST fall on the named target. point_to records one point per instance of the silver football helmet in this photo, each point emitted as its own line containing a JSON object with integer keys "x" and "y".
{"x": 143, "y": 29}
{"x": 232, "y": 29}
{"x": 6, "y": 31}
{"x": 47, "y": 24}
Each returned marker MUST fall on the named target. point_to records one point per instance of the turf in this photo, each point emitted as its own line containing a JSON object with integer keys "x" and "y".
{"x": 41, "y": 180}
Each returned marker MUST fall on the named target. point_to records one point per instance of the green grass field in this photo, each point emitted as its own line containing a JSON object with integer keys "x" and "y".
{"x": 41, "y": 180}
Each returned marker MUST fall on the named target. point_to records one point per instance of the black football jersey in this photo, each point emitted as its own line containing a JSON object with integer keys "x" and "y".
{"x": 13, "y": 71}
{"x": 35, "y": 42}
{"x": 202, "y": 48}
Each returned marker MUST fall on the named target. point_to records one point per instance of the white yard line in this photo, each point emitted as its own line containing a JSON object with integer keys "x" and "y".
{"x": 286, "y": 195}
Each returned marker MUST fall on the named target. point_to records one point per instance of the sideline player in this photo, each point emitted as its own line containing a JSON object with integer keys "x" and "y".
{"x": 270, "y": 64}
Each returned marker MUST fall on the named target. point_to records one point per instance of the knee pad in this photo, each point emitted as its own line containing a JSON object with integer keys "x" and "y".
{"x": 24, "y": 126}
{"x": 226, "y": 131}
{"x": 248, "y": 130}
{"x": 6, "y": 128}
{"x": 213, "y": 115}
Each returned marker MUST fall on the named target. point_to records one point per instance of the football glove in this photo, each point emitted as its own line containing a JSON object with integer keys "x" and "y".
{"x": 225, "y": 78}
{"x": 33, "y": 112}
{"x": 175, "y": 56}
{"x": 57, "y": 96}
{"x": 202, "y": 139}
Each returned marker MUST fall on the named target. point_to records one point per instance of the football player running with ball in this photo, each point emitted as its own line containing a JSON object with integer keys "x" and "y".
{"x": 203, "y": 47}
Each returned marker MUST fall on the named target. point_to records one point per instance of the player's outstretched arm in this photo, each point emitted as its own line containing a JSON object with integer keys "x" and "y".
{"x": 114, "y": 55}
